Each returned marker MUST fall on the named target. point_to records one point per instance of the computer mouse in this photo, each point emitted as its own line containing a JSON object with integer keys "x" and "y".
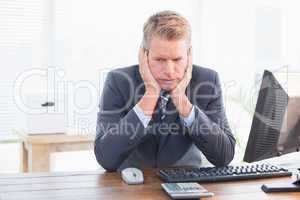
{"x": 132, "y": 176}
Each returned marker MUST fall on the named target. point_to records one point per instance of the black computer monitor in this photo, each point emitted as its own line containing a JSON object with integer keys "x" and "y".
{"x": 275, "y": 127}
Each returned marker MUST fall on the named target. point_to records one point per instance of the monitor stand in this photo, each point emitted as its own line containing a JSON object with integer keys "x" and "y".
{"x": 282, "y": 187}
{"x": 292, "y": 163}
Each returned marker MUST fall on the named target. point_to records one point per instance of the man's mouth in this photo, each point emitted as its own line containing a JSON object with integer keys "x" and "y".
{"x": 167, "y": 81}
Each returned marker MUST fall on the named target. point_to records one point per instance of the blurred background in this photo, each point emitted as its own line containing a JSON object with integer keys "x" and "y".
{"x": 61, "y": 50}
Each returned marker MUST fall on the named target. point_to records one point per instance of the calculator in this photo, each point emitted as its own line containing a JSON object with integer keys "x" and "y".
{"x": 185, "y": 190}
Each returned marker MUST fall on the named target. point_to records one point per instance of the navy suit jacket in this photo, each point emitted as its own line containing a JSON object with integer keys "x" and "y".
{"x": 122, "y": 140}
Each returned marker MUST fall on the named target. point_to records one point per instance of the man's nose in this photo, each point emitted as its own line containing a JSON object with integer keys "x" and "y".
{"x": 169, "y": 68}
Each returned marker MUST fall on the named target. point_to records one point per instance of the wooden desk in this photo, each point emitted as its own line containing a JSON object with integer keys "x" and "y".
{"x": 97, "y": 185}
{"x": 36, "y": 149}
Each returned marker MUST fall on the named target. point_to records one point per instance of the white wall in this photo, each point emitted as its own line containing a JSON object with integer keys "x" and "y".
{"x": 240, "y": 39}
{"x": 22, "y": 47}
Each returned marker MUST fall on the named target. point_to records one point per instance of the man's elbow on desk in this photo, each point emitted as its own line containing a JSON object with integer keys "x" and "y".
{"x": 107, "y": 162}
{"x": 226, "y": 157}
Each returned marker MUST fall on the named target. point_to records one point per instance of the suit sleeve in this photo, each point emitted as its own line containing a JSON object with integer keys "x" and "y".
{"x": 118, "y": 130}
{"x": 210, "y": 130}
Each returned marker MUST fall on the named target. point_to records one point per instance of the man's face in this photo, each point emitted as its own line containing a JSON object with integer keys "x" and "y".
{"x": 167, "y": 61}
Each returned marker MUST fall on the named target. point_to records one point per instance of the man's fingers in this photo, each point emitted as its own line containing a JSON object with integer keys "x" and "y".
{"x": 144, "y": 66}
{"x": 141, "y": 56}
{"x": 190, "y": 60}
{"x": 188, "y": 73}
{"x": 143, "y": 60}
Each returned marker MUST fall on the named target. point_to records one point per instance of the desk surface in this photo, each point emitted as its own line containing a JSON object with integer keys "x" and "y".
{"x": 99, "y": 185}
{"x": 58, "y": 138}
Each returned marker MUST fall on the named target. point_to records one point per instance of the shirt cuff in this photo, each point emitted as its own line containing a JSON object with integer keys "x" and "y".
{"x": 187, "y": 121}
{"x": 143, "y": 118}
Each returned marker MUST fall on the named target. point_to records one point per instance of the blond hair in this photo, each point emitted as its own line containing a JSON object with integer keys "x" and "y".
{"x": 167, "y": 25}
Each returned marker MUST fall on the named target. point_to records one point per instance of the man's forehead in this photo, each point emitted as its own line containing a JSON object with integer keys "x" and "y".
{"x": 168, "y": 48}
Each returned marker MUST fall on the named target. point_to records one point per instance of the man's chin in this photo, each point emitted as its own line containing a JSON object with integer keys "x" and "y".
{"x": 168, "y": 87}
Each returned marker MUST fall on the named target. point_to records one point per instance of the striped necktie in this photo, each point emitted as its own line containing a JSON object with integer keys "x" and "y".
{"x": 160, "y": 113}
{"x": 164, "y": 98}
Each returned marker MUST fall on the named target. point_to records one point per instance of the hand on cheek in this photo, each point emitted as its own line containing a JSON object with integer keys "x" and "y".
{"x": 178, "y": 95}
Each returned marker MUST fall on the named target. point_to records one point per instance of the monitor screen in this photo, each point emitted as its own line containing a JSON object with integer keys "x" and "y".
{"x": 275, "y": 126}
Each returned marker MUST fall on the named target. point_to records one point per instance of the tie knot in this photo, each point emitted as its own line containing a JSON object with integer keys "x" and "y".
{"x": 164, "y": 95}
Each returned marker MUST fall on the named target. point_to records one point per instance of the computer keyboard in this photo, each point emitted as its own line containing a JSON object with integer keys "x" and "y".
{"x": 217, "y": 174}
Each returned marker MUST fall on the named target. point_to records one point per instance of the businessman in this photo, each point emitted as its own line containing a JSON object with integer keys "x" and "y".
{"x": 165, "y": 111}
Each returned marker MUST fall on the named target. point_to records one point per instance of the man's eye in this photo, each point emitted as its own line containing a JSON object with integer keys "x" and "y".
{"x": 159, "y": 60}
{"x": 177, "y": 59}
